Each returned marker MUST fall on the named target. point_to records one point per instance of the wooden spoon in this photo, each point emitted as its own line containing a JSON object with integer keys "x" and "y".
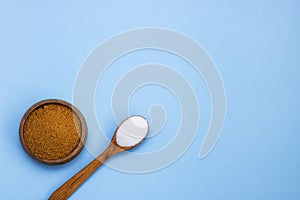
{"x": 128, "y": 135}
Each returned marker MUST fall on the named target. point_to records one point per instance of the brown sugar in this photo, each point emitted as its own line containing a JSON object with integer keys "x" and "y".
{"x": 52, "y": 131}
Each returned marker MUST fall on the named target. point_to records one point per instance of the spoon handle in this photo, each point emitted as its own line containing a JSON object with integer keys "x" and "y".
{"x": 64, "y": 191}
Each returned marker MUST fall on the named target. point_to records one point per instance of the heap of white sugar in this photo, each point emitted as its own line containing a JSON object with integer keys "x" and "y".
{"x": 133, "y": 130}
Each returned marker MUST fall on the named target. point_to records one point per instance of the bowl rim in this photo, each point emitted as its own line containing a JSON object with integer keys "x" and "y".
{"x": 83, "y": 134}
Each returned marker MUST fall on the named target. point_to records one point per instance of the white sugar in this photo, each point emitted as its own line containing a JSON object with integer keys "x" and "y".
{"x": 132, "y": 131}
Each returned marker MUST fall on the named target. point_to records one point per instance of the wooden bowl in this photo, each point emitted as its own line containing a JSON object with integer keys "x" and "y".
{"x": 82, "y": 135}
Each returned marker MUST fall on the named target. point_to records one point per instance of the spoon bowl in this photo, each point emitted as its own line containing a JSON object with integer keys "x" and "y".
{"x": 131, "y": 132}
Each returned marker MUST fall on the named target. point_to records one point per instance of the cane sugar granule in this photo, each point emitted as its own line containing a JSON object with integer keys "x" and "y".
{"x": 52, "y": 131}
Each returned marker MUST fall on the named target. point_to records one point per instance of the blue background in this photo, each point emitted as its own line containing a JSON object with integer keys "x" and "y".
{"x": 256, "y": 46}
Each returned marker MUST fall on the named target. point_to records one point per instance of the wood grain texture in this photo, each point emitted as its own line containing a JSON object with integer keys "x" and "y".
{"x": 64, "y": 191}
